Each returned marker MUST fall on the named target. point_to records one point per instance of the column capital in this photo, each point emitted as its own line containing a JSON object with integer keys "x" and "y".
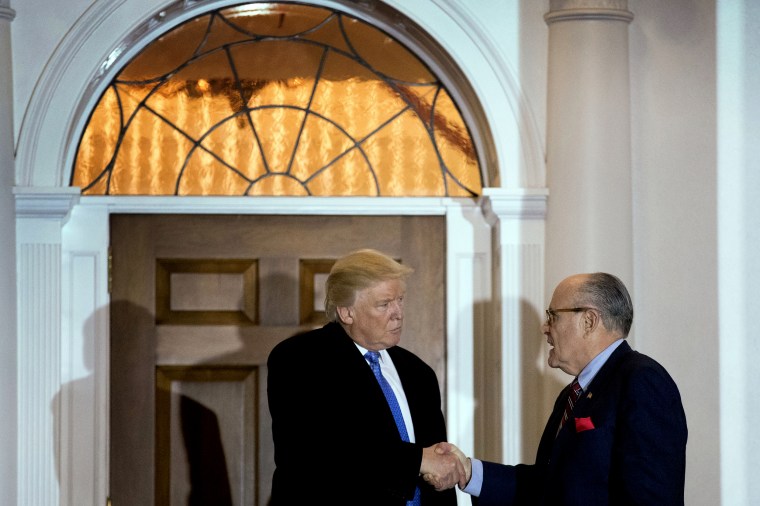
{"x": 7, "y": 13}
{"x": 578, "y": 10}
{"x": 47, "y": 203}
{"x": 501, "y": 203}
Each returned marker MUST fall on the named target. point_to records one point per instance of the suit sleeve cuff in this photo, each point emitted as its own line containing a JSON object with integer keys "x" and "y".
{"x": 476, "y": 479}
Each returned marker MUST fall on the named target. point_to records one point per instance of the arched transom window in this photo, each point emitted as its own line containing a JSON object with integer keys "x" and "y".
{"x": 276, "y": 99}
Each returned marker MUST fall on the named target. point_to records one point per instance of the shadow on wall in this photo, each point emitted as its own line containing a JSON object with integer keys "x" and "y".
{"x": 538, "y": 384}
{"x": 72, "y": 397}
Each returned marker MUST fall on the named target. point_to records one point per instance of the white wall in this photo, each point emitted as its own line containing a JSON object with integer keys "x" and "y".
{"x": 32, "y": 47}
{"x": 673, "y": 95}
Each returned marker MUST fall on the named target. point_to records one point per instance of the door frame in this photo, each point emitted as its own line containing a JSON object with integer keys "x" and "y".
{"x": 494, "y": 287}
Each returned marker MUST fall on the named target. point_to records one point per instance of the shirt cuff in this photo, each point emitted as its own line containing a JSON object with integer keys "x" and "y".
{"x": 476, "y": 479}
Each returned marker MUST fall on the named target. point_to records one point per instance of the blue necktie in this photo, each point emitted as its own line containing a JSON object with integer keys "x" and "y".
{"x": 373, "y": 357}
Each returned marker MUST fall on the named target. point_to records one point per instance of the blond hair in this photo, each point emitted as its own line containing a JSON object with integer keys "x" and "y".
{"x": 356, "y": 271}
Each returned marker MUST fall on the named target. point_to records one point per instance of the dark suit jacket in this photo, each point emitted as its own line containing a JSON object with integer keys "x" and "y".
{"x": 334, "y": 435}
{"x": 634, "y": 454}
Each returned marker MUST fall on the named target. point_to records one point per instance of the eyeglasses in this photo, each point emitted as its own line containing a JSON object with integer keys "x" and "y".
{"x": 551, "y": 314}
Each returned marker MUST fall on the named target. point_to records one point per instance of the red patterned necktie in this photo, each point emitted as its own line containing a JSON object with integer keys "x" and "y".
{"x": 575, "y": 393}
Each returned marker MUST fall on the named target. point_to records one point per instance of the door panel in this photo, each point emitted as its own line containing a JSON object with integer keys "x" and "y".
{"x": 198, "y": 302}
{"x": 205, "y": 445}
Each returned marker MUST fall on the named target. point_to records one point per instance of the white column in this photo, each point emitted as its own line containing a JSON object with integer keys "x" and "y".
{"x": 739, "y": 241}
{"x": 589, "y": 215}
{"x": 40, "y": 218}
{"x": 517, "y": 217}
{"x": 8, "y": 426}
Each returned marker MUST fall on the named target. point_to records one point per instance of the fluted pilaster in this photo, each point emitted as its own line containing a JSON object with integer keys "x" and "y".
{"x": 517, "y": 218}
{"x": 38, "y": 371}
{"x": 40, "y": 218}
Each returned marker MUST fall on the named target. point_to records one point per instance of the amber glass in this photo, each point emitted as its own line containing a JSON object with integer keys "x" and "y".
{"x": 276, "y": 99}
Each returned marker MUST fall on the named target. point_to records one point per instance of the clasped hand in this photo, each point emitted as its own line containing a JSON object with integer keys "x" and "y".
{"x": 444, "y": 465}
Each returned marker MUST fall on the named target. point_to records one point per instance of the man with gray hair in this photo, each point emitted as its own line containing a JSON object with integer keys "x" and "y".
{"x": 617, "y": 434}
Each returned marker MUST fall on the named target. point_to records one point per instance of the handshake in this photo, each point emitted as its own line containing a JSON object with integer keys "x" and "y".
{"x": 444, "y": 465}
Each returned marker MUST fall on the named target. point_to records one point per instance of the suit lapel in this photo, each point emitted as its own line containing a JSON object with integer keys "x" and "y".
{"x": 355, "y": 375}
{"x": 552, "y": 443}
{"x": 547, "y": 445}
{"x": 367, "y": 390}
{"x": 603, "y": 379}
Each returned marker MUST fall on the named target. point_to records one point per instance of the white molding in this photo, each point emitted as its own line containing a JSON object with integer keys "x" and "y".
{"x": 532, "y": 172}
{"x": 582, "y": 10}
{"x": 468, "y": 286}
{"x": 45, "y": 203}
{"x": 467, "y": 283}
{"x": 499, "y": 203}
{"x": 588, "y": 14}
{"x": 6, "y": 13}
{"x": 85, "y": 364}
{"x": 278, "y": 205}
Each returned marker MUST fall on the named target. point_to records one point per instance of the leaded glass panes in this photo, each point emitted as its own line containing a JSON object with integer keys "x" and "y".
{"x": 276, "y": 99}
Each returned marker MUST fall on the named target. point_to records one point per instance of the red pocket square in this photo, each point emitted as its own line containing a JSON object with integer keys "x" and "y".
{"x": 582, "y": 424}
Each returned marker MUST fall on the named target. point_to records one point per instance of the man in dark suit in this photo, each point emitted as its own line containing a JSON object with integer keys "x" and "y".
{"x": 345, "y": 433}
{"x": 620, "y": 439}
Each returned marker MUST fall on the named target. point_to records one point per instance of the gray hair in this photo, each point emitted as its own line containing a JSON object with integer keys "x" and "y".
{"x": 356, "y": 271}
{"x": 609, "y": 295}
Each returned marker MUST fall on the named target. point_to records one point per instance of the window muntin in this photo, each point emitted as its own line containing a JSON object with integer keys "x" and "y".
{"x": 276, "y": 99}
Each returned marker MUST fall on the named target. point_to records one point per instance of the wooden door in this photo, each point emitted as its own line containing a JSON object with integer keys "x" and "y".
{"x": 198, "y": 302}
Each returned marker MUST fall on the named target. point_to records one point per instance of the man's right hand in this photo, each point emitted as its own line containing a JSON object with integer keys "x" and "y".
{"x": 444, "y": 465}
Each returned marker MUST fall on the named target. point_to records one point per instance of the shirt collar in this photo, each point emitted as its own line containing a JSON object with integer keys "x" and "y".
{"x": 587, "y": 374}
{"x": 363, "y": 351}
